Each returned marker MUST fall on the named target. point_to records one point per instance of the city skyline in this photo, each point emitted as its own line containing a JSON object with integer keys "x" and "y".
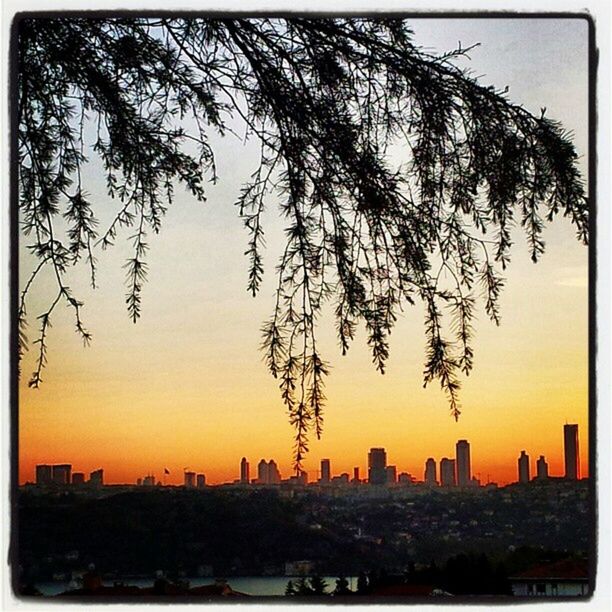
{"x": 444, "y": 471}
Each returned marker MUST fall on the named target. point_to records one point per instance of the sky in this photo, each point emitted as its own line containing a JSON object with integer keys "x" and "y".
{"x": 186, "y": 386}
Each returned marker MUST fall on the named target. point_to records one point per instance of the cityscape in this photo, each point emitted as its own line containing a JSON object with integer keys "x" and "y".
{"x": 383, "y": 533}
{"x": 227, "y": 229}
{"x": 455, "y": 472}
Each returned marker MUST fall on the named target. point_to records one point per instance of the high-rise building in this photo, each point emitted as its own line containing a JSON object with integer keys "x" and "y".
{"x": 200, "y": 481}
{"x": 391, "y": 474}
{"x": 245, "y": 471}
{"x": 405, "y": 478}
{"x": 542, "y": 468}
{"x": 44, "y": 474}
{"x": 61, "y": 474}
{"x": 447, "y": 472}
{"x": 325, "y": 471}
{"x": 356, "y": 475}
{"x": 464, "y": 470}
{"x": 523, "y": 467}
{"x": 78, "y": 478}
{"x": 572, "y": 456}
{"x": 190, "y": 479}
{"x": 96, "y": 477}
{"x": 377, "y": 466}
{"x": 430, "y": 472}
{"x": 263, "y": 476}
{"x": 274, "y": 476}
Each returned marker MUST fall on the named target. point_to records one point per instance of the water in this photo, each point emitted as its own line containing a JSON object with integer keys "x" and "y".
{"x": 251, "y": 585}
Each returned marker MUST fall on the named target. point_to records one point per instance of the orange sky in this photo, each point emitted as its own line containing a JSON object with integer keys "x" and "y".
{"x": 186, "y": 386}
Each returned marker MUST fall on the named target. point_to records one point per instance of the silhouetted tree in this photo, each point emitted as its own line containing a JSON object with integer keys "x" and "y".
{"x": 362, "y": 583}
{"x": 302, "y": 587}
{"x": 342, "y": 586}
{"x": 290, "y": 589}
{"x": 318, "y": 585}
{"x": 331, "y": 102}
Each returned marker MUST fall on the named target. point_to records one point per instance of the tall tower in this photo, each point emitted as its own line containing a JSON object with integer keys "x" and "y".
{"x": 572, "y": 458}
{"x": 542, "y": 468}
{"x": 377, "y": 466}
{"x": 263, "y": 474}
{"x": 325, "y": 471}
{"x": 245, "y": 471}
{"x": 447, "y": 472}
{"x": 523, "y": 467}
{"x": 274, "y": 476}
{"x": 190, "y": 479}
{"x": 430, "y": 472}
{"x": 464, "y": 470}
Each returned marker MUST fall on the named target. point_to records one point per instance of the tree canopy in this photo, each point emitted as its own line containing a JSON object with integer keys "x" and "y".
{"x": 332, "y": 103}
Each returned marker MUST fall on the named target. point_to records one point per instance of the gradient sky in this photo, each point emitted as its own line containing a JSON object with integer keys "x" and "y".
{"x": 186, "y": 386}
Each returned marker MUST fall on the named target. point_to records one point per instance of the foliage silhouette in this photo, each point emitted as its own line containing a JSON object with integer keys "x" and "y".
{"x": 332, "y": 102}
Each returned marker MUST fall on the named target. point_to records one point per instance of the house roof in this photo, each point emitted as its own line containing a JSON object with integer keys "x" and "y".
{"x": 565, "y": 569}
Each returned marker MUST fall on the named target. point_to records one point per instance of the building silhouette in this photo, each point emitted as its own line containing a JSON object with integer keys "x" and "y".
{"x": 391, "y": 474}
{"x": 189, "y": 479}
{"x": 245, "y": 471}
{"x": 78, "y": 478}
{"x": 44, "y": 474}
{"x": 430, "y": 472}
{"x": 356, "y": 478}
{"x": 274, "y": 476}
{"x": 96, "y": 477}
{"x": 262, "y": 472}
{"x": 447, "y": 472}
{"x": 572, "y": 458}
{"x": 405, "y": 478}
{"x": 523, "y": 467}
{"x": 377, "y": 466}
{"x": 200, "y": 481}
{"x": 149, "y": 480}
{"x": 325, "y": 471}
{"x": 464, "y": 470}
{"x": 542, "y": 468}
{"x": 61, "y": 474}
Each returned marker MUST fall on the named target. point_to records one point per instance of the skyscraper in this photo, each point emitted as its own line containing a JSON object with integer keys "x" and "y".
{"x": 391, "y": 474}
{"x": 61, "y": 474}
{"x": 245, "y": 472}
{"x": 430, "y": 472}
{"x": 572, "y": 457}
{"x": 325, "y": 471}
{"x": 542, "y": 468}
{"x": 377, "y": 466}
{"x": 464, "y": 470}
{"x": 200, "y": 481}
{"x": 190, "y": 479}
{"x": 263, "y": 476}
{"x": 447, "y": 472}
{"x": 96, "y": 477}
{"x": 523, "y": 467}
{"x": 356, "y": 475}
{"x": 44, "y": 474}
{"x": 274, "y": 476}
